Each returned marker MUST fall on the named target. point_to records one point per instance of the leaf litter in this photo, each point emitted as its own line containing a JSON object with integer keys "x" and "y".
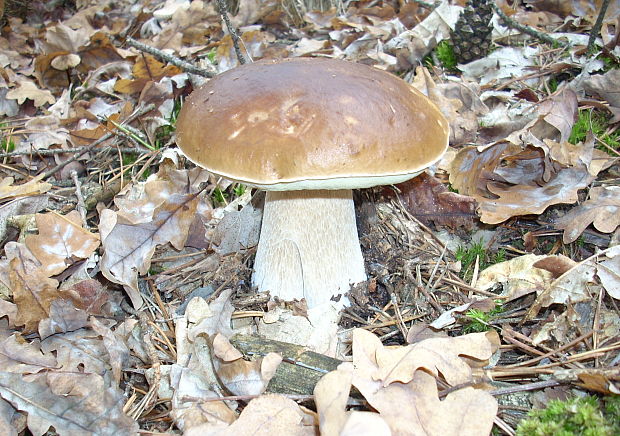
{"x": 127, "y": 275}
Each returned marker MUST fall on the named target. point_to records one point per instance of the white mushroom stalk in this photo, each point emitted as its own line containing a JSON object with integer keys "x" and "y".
{"x": 309, "y": 246}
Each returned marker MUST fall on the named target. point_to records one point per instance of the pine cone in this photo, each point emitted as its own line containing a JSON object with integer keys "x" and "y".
{"x": 471, "y": 38}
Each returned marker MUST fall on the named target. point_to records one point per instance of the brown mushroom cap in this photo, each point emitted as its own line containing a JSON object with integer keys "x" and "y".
{"x": 311, "y": 123}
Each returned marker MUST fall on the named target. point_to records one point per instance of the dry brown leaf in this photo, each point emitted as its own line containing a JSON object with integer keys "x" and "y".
{"x": 218, "y": 321}
{"x": 465, "y": 412}
{"x": 397, "y": 382}
{"x": 607, "y": 86}
{"x": 31, "y": 187}
{"x": 602, "y": 210}
{"x": 560, "y": 111}
{"x": 429, "y": 200}
{"x": 21, "y": 357}
{"x": 75, "y": 404}
{"x": 27, "y": 90}
{"x": 242, "y": 377}
{"x": 223, "y": 349}
{"x": 266, "y": 415}
{"x": 61, "y": 241}
{"x": 159, "y": 216}
{"x": 518, "y": 276}
{"x": 33, "y": 292}
{"x": 360, "y": 423}
{"x": 575, "y": 285}
{"x": 458, "y": 103}
{"x": 608, "y": 272}
{"x": 146, "y": 69}
{"x": 331, "y": 395}
{"x": 63, "y": 317}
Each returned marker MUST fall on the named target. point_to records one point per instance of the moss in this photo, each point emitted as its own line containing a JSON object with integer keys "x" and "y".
{"x": 577, "y": 416}
{"x": 597, "y": 123}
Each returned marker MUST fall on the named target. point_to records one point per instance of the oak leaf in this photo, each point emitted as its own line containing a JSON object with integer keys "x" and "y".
{"x": 27, "y": 90}
{"x": 61, "y": 241}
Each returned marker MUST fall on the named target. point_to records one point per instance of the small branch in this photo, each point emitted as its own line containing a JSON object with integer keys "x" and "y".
{"x": 55, "y": 151}
{"x": 597, "y": 25}
{"x": 81, "y": 206}
{"x": 233, "y": 33}
{"x": 426, "y": 5}
{"x": 526, "y": 29}
{"x": 84, "y": 150}
{"x": 186, "y": 66}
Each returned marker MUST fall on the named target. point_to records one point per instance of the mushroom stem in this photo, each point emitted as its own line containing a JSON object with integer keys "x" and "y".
{"x": 309, "y": 247}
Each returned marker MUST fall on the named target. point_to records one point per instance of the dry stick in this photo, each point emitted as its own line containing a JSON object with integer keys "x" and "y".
{"x": 233, "y": 33}
{"x": 526, "y": 29}
{"x": 527, "y": 387}
{"x": 597, "y": 25}
{"x": 91, "y": 147}
{"x": 186, "y": 66}
{"x": 81, "y": 205}
{"x": 69, "y": 150}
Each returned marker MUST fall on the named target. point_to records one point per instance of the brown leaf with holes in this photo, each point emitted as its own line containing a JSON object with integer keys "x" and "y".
{"x": 61, "y": 241}
{"x": 602, "y": 210}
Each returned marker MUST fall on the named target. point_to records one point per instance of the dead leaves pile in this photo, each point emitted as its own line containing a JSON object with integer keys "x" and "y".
{"x": 400, "y": 383}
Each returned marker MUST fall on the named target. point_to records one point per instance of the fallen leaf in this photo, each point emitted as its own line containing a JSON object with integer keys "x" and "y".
{"x": 60, "y": 242}
{"x": 608, "y": 272}
{"x": 429, "y": 200}
{"x": 146, "y": 69}
{"x": 602, "y": 209}
{"x": 32, "y": 187}
{"x": 83, "y": 406}
{"x": 158, "y": 216}
{"x": 21, "y": 357}
{"x": 27, "y": 90}
{"x": 266, "y": 415}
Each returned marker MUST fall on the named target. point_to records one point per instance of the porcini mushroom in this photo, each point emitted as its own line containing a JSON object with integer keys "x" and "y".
{"x": 307, "y": 131}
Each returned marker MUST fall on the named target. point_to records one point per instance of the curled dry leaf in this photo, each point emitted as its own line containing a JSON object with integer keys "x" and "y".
{"x": 266, "y": 415}
{"x": 429, "y": 200}
{"x": 602, "y": 210}
{"x": 21, "y": 357}
{"x": 508, "y": 180}
{"x": 61, "y": 240}
{"x": 518, "y": 276}
{"x": 401, "y": 376}
{"x": 31, "y": 187}
{"x": 146, "y": 69}
{"x": 331, "y": 395}
{"x": 129, "y": 237}
{"x": 576, "y": 284}
{"x": 608, "y": 272}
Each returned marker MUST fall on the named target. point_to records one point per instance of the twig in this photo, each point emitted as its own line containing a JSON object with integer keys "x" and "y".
{"x": 233, "y": 33}
{"x": 186, "y": 66}
{"x": 426, "y": 5}
{"x": 70, "y": 150}
{"x": 597, "y": 26}
{"x": 84, "y": 150}
{"x": 526, "y": 29}
{"x": 526, "y": 387}
{"x": 81, "y": 206}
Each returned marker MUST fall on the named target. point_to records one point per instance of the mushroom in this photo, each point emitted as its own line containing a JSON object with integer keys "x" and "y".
{"x": 307, "y": 131}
